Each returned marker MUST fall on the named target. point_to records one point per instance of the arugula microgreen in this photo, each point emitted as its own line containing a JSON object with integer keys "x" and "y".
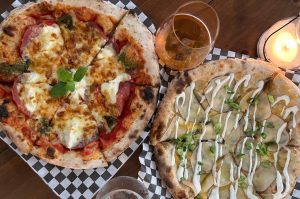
{"x": 271, "y": 98}
{"x": 232, "y": 104}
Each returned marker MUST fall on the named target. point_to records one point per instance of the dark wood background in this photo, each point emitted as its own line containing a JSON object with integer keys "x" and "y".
{"x": 242, "y": 23}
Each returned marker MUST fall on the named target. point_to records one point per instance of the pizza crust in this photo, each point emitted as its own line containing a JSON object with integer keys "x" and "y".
{"x": 163, "y": 154}
{"x": 17, "y": 138}
{"x": 140, "y": 34}
{"x": 144, "y": 109}
{"x": 259, "y": 70}
{"x": 71, "y": 159}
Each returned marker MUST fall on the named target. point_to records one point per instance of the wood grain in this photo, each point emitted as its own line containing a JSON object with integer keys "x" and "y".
{"x": 242, "y": 23}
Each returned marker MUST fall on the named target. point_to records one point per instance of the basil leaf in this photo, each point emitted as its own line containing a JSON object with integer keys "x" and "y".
{"x": 59, "y": 90}
{"x": 64, "y": 75}
{"x": 111, "y": 121}
{"x": 18, "y": 68}
{"x": 81, "y": 71}
{"x": 126, "y": 61}
{"x": 45, "y": 126}
{"x": 70, "y": 86}
{"x": 271, "y": 99}
{"x": 66, "y": 20}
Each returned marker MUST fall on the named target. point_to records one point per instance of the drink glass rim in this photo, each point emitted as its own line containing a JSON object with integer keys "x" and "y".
{"x": 210, "y": 7}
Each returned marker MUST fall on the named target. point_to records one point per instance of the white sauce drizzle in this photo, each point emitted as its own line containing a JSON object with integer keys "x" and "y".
{"x": 286, "y": 173}
{"x": 232, "y": 190}
{"x": 192, "y": 87}
{"x": 196, "y": 177}
{"x": 236, "y": 123}
{"x": 288, "y": 111}
{"x": 279, "y": 183}
{"x": 245, "y": 79}
{"x": 251, "y": 172}
{"x": 240, "y": 166}
{"x": 258, "y": 90}
{"x": 284, "y": 98}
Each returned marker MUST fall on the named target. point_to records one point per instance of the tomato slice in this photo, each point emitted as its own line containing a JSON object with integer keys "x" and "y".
{"x": 90, "y": 148}
{"x": 128, "y": 94}
{"x": 60, "y": 147}
{"x": 29, "y": 133}
{"x": 17, "y": 99}
{"x": 123, "y": 95}
{"x": 32, "y": 32}
{"x": 118, "y": 45}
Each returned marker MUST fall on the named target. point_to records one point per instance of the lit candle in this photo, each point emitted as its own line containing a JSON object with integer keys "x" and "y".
{"x": 280, "y": 45}
{"x": 285, "y": 47}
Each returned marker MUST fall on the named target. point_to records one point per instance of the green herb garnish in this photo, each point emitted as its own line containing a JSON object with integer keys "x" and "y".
{"x": 253, "y": 100}
{"x": 202, "y": 173}
{"x": 263, "y": 135}
{"x": 18, "y": 68}
{"x": 240, "y": 156}
{"x": 266, "y": 164}
{"x": 218, "y": 128}
{"x": 127, "y": 62}
{"x": 66, "y": 81}
{"x": 232, "y": 104}
{"x": 212, "y": 149}
{"x": 271, "y": 99}
{"x": 262, "y": 149}
{"x": 270, "y": 125}
{"x": 66, "y": 20}
{"x": 200, "y": 163}
{"x": 248, "y": 145}
{"x": 242, "y": 182}
{"x": 184, "y": 143}
{"x": 111, "y": 121}
{"x": 229, "y": 90}
{"x": 45, "y": 126}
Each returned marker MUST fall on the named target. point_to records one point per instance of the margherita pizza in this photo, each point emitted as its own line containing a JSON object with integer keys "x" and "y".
{"x": 79, "y": 80}
{"x": 229, "y": 129}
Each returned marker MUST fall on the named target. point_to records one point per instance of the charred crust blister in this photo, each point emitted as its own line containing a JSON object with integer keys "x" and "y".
{"x": 9, "y": 30}
{"x": 3, "y": 112}
{"x": 50, "y": 152}
{"x": 147, "y": 94}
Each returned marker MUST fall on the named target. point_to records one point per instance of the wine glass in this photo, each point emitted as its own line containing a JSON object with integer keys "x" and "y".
{"x": 186, "y": 37}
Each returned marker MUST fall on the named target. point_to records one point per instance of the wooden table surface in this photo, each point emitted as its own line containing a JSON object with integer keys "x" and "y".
{"x": 242, "y": 23}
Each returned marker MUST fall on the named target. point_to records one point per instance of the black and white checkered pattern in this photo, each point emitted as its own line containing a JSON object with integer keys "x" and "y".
{"x": 149, "y": 173}
{"x": 69, "y": 183}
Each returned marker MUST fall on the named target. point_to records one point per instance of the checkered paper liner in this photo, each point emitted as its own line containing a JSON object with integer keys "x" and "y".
{"x": 149, "y": 172}
{"x": 69, "y": 183}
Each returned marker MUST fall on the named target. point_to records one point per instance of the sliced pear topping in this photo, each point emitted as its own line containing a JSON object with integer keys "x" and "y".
{"x": 264, "y": 176}
{"x": 189, "y": 108}
{"x": 225, "y": 170}
{"x": 245, "y": 154}
{"x": 223, "y": 93}
{"x": 208, "y": 157}
{"x": 263, "y": 110}
{"x": 272, "y": 125}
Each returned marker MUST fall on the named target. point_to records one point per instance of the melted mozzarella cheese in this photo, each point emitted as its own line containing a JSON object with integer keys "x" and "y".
{"x": 75, "y": 125}
{"x": 106, "y": 52}
{"x": 80, "y": 90}
{"x": 110, "y": 89}
{"x": 33, "y": 77}
{"x": 48, "y": 41}
{"x": 36, "y": 99}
